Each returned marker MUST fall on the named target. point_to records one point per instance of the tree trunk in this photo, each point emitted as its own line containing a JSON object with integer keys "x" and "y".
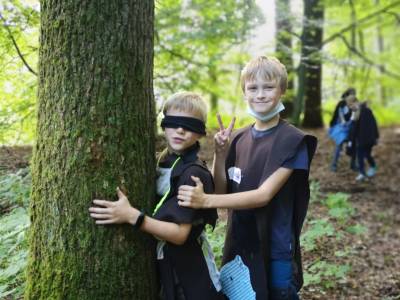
{"x": 381, "y": 49}
{"x": 212, "y": 73}
{"x": 353, "y": 40}
{"x": 310, "y": 69}
{"x": 284, "y": 47}
{"x": 95, "y": 132}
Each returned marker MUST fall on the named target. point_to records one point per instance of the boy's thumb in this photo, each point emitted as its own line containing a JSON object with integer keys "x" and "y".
{"x": 197, "y": 181}
{"x": 120, "y": 193}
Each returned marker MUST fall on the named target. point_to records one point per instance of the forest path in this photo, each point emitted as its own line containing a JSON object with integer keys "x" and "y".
{"x": 375, "y": 259}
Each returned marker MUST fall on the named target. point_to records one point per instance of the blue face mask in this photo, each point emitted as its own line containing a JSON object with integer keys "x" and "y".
{"x": 265, "y": 118}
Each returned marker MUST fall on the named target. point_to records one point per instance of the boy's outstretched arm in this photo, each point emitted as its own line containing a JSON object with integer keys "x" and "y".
{"x": 221, "y": 144}
{"x": 121, "y": 211}
{"x": 194, "y": 196}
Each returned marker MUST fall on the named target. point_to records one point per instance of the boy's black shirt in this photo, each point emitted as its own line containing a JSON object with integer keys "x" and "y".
{"x": 253, "y": 247}
{"x": 185, "y": 263}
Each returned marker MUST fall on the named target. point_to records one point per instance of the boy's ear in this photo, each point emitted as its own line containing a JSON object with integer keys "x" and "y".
{"x": 282, "y": 92}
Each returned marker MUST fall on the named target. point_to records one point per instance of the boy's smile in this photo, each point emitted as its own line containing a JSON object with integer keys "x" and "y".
{"x": 262, "y": 95}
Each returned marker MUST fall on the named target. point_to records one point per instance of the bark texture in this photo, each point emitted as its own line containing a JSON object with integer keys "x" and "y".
{"x": 95, "y": 132}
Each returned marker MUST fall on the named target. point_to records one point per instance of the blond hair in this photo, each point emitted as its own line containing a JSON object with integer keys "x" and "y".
{"x": 351, "y": 98}
{"x": 269, "y": 68}
{"x": 188, "y": 102}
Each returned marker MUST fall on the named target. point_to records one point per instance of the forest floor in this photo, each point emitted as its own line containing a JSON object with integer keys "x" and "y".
{"x": 374, "y": 255}
{"x": 374, "y": 259}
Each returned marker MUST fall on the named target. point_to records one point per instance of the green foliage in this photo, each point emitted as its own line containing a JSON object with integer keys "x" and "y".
{"x": 325, "y": 274}
{"x": 197, "y": 48}
{"x": 326, "y": 232}
{"x": 201, "y": 46}
{"x": 14, "y": 195}
{"x": 197, "y": 45}
{"x": 243, "y": 120}
{"x": 339, "y": 206}
{"x": 216, "y": 238}
{"x": 356, "y": 229}
{"x": 318, "y": 229}
{"x": 15, "y": 189}
{"x": 315, "y": 194}
{"x": 13, "y": 252}
{"x": 387, "y": 115}
{"x": 20, "y": 21}
{"x": 363, "y": 56}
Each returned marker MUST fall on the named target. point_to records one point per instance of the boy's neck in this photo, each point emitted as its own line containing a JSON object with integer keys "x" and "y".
{"x": 261, "y": 126}
{"x": 183, "y": 151}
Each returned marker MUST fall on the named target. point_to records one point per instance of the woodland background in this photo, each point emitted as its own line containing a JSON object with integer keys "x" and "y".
{"x": 351, "y": 238}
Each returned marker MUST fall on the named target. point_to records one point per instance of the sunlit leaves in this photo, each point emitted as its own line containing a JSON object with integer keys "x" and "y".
{"x": 19, "y": 24}
{"x": 195, "y": 45}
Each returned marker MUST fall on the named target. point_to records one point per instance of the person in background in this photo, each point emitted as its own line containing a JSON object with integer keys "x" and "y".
{"x": 339, "y": 128}
{"x": 364, "y": 132}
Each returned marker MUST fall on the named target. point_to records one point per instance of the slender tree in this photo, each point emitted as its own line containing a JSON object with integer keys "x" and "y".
{"x": 310, "y": 68}
{"x": 95, "y": 132}
{"x": 284, "y": 49}
{"x": 380, "y": 45}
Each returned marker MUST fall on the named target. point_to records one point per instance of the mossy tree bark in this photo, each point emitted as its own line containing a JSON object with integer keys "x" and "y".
{"x": 95, "y": 132}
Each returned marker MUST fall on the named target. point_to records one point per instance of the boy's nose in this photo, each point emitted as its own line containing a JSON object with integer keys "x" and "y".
{"x": 180, "y": 130}
{"x": 260, "y": 93}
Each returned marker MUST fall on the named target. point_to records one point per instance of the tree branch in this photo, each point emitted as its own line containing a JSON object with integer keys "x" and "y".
{"x": 16, "y": 46}
{"x": 358, "y": 22}
{"x": 397, "y": 16}
{"x": 298, "y": 36}
{"x": 181, "y": 56}
{"x": 367, "y": 60}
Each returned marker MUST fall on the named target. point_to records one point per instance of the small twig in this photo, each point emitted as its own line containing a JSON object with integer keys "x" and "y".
{"x": 16, "y": 46}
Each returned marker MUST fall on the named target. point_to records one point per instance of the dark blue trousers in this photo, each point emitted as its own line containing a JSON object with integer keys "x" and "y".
{"x": 364, "y": 152}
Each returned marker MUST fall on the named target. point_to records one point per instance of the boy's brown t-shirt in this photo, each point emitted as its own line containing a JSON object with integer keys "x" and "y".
{"x": 249, "y": 163}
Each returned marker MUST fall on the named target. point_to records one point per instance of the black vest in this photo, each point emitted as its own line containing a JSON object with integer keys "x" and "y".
{"x": 283, "y": 145}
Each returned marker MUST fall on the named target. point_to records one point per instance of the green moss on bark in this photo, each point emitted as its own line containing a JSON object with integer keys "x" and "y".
{"x": 95, "y": 132}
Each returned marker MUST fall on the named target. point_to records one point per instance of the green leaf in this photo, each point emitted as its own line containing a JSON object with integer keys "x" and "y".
{"x": 356, "y": 229}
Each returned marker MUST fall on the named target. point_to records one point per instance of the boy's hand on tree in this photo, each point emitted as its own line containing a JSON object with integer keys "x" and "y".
{"x": 221, "y": 138}
{"x": 114, "y": 212}
{"x": 192, "y": 196}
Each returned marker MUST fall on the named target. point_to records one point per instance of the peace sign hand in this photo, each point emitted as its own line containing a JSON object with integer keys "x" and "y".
{"x": 221, "y": 138}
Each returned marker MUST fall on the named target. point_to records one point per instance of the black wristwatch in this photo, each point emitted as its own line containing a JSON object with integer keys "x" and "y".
{"x": 139, "y": 220}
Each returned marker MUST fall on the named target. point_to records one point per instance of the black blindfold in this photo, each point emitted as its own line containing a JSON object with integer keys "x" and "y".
{"x": 188, "y": 123}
